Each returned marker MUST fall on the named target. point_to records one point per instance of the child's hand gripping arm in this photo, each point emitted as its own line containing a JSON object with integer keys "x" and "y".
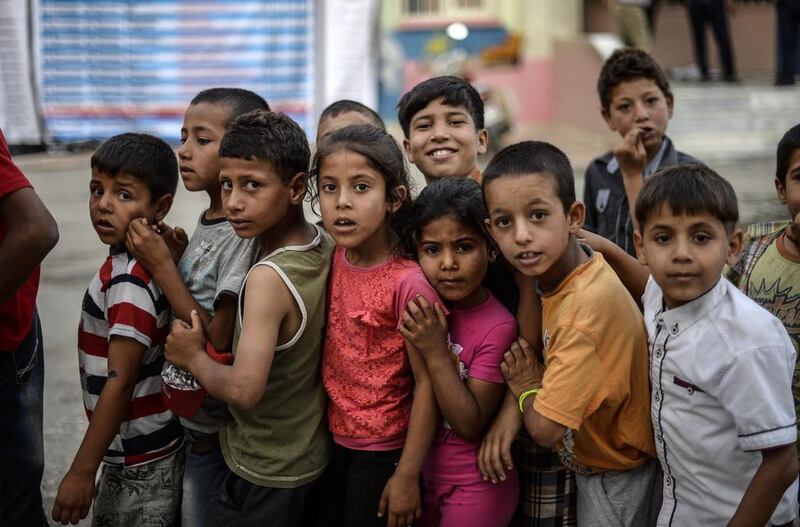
{"x": 494, "y": 456}
{"x": 467, "y": 407}
{"x": 243, "y": 383}
{"x": 76, "y": 491}
{"x": 154, "y": 253}
{"x": 401, "y": 496}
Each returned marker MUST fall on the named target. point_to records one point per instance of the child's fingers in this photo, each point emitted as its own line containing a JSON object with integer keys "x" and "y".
{"x": 440, "y": 316}
{"x": 197, "y": 324}
{"x": 383, "y": 503}
{"x": 504, "y": 369}
{"x": 505, "y": 452}
{"x": 525, "y": 349}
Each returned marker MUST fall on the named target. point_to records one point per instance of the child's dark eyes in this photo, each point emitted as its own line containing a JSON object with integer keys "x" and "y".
{"x": 361, "y": 187}
{"x": 623, "y": 107}
{"x": 225, "y": 184}
{"x": 251, "y": 185}
{"x": 183, "y": 139}
{"x": 701, "y": 238}
{"x": 457, "y": 122}
{"x": 96, "y": 191}
{"x": 464, "y": 248}
{"x": 651, "y": 100}
{"x": 124, "y": 196}
{"x": 203, "y": 141}
{"x": 661, "y": 238}
{"x": 422, "y": 126}
{"x": 538, "y": 215}
{"x": 328, "y": 187}
{"x": 430, "y": 250}
{"x": 502, "y": 222}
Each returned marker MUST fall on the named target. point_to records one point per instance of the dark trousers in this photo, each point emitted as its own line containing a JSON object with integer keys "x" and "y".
{"x": 350, "y": 490}
{"x": 711, "y": 12}
{"x": 21, "y": 444}
{"x": 787, "y": 13}
{"x": 244, "y": 504}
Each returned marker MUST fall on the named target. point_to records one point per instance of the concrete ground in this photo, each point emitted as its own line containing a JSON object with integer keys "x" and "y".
{"x": 62, "y": 182}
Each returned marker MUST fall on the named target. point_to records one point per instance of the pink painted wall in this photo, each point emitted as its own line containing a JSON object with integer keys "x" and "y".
{"x": 529, "y": 87}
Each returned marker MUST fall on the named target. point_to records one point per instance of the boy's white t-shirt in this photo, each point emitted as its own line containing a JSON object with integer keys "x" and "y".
{"x": 720, "y": 373}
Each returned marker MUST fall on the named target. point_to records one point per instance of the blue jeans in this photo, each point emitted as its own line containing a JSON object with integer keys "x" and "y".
{"x": 21, "y": 444}
{"x": 203, "y": 477}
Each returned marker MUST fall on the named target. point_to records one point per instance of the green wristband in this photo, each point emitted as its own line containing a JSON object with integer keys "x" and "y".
{"x": 525, "y": 395}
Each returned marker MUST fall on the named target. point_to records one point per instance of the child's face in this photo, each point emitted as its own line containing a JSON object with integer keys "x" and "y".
{"x": 528, "y": 222}
{"x": 789, "y": 192}
{"x": 454, "y": 258}
{"x": 202, "y": 131}
{"x": 686, "y": 254}
{"x": 640, "y": 104}
{"x": 352, "y": 200}
{"x": 115, "y": 201}
{"x": 443, "y": 141}
{"x": 331, "y": 124}
{"x": 254, "y": 196}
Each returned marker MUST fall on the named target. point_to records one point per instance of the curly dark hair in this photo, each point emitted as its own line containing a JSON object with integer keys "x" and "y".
{"x": 382, "y": 153}
{"x": 456, "y": 197}
{"x": 629, "y": 64}
{"x": 268, "y": 136}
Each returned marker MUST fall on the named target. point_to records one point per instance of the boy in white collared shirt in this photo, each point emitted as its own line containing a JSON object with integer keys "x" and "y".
{"x": 720, "y": 365}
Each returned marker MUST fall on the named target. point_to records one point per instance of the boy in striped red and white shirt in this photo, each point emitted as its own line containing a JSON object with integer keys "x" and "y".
{"x": 124, "y": 321}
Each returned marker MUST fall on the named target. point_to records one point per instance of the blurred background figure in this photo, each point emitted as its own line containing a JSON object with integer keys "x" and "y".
{"x": 632, "y": 23}
{"x": 787, "y": 18}
{"x": 713, "y": 13}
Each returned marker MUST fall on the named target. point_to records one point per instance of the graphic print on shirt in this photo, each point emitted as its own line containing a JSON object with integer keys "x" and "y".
{"x": 463, "y": 370}
{"x": 781, "y": 303}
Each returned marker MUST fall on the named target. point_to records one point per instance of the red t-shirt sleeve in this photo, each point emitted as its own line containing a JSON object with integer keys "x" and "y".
{"x": 11, "y": 177}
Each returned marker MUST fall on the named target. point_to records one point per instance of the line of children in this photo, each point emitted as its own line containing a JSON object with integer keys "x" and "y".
{"x": 410, "y": 354}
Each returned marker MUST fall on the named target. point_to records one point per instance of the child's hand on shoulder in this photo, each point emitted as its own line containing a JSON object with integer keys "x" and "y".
{"x": 185, "y": 342}
{"x": 74, "y": 498}
{"x": 425, "y": 327}
{"x": 631, "y": 154}
{"x": 521, "y": 369}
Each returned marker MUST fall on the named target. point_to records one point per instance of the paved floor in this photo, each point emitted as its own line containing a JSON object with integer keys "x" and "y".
{"x": 62, "y": 182}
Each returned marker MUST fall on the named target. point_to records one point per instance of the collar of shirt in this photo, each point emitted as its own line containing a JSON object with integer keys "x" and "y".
{"x": 651, "y": 167}
{"x": 679, "y": 319}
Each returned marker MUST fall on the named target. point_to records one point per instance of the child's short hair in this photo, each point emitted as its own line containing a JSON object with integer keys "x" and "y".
{"x": 691, "y": 190}
{"x": 382, "y": 153}
{"x": 788, "y": 144}
{"x": 629, "y": 64}
{"x": 531, "y": 157}
{"x": 345, "y": 105}
{"x": 142, "y": 156}
{"x": 268, "y": 136}
{"x": 238, "y": 100}
{"x": 453, "y": 91}
{"x": 456, "y": 197}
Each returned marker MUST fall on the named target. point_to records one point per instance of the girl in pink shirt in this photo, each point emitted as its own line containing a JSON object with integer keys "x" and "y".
{"x": 462, "y": 351}
{"x": 381, "y": 406}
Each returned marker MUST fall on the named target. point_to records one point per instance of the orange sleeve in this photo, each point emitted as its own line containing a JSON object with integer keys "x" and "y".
{"x": 574, "y": 384}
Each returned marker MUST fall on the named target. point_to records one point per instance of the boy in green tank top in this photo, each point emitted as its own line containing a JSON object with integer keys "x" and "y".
{"x": 277, "y": 443}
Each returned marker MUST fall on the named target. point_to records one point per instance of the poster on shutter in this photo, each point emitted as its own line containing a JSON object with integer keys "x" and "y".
{"x": 133, "y": 66}
{"x": 18, "y": 114}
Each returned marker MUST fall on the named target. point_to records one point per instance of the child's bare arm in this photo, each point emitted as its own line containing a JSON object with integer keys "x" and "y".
{"x": 467, "y": 407}
{"x": 632, "y": 273}
{"x": 523, "y": 372}
{"x": 243, "y": 383}
{"x": 76, "y": 491}
{"x": 152, "y": 252}
{"x": 777, "y": 471}
{"x": 401, "y": 496}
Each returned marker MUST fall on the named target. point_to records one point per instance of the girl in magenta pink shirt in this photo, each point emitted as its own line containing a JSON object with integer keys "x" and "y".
{"x": 462, "y": 351}
{"x": 381, "y": 408}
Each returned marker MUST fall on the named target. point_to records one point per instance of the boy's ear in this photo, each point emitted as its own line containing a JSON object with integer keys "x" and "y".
{"x": 781, "y": 189}
{"x": 576, "y": 216}
{"x": 163, "y": 205}
{"x": 638, "y": 242}
{"x": 401, "y": 193}
{"x": 670, "y": 104}
{"x": 483, "y": 141}
{"x": 607, "y": 118}
{"x": 407, "y": 148}
{"x": 298, "y": 186}
{"x": 735, "y": 245}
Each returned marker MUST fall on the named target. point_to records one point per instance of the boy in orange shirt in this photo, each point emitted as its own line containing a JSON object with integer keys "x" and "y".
{"x": 591, "y": 396}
